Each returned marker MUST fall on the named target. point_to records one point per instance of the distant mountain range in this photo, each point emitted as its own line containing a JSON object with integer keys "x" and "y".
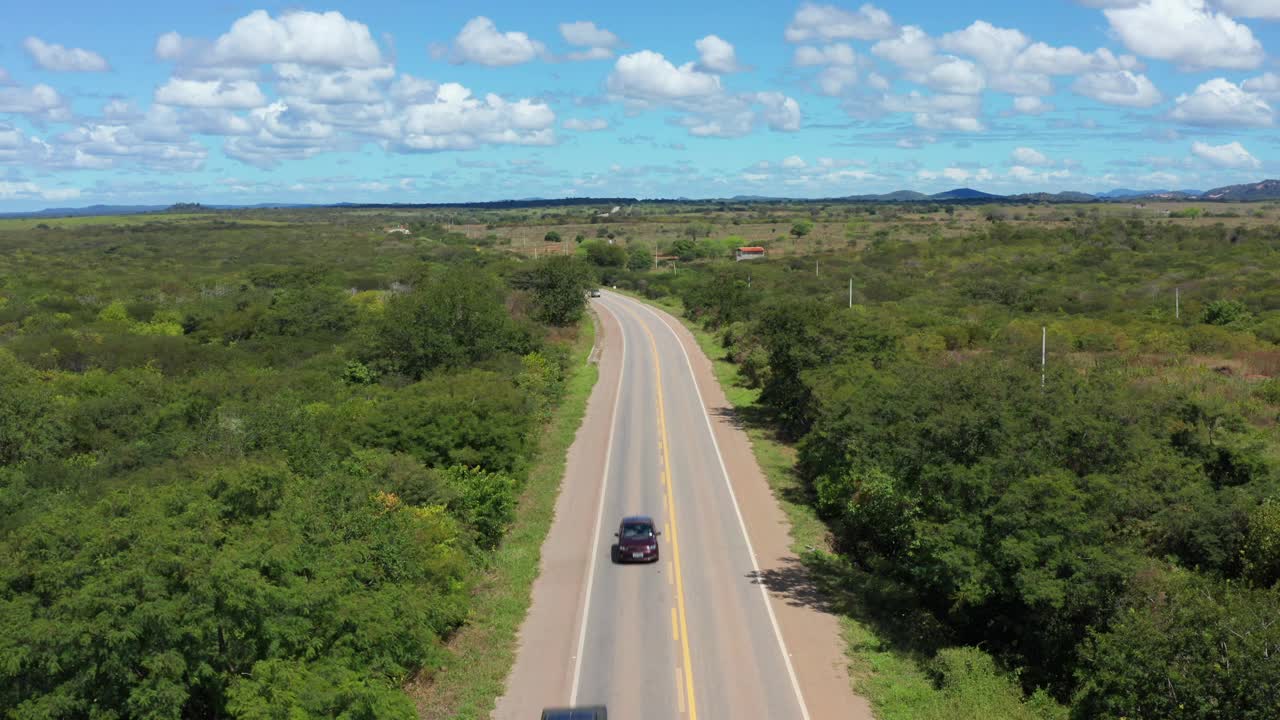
{"x": 1249, "y": 192}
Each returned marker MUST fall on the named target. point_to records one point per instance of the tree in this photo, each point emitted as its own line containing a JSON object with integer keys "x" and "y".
{"x": 559, "y": 287}
{"x": 1225, "y": 312}
{"x": 639, "y": 257}
{"x": 552, "y": 237}
{"x": 451, "y": 319}
{"x": 602, "y": 254}
{"x": 801, "y": 228}
{"x": 684, "y": 249}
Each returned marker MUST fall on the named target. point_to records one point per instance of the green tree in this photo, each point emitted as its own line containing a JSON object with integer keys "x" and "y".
{"x": 559, "y": 286}
{"x": 801, "y": 228}
{"x": 639, "y": 257}
{"x": 451, "y": 319}
{"x": 1225, "y": 312}
{"x": 603, "y": 254}
{"x": 552, "y": 237}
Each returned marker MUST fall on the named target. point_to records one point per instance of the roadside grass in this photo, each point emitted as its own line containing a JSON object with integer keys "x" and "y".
{"x": 886, "y": 665}
{"x": 482, "y": 653}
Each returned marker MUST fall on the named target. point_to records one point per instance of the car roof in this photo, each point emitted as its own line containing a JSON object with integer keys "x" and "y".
{"x": 594, "y": 712}
{"x": 637, "y": 520}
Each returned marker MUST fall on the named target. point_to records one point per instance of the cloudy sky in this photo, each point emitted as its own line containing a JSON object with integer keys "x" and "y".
{"x": 226, "y": 101}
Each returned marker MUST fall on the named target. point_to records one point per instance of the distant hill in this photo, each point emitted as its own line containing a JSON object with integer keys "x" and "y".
{"x": 964, "y": 194}
{"x": 1062, "y": 197}
{"x": 895, "y": 196}
{"x": 1265, "y": 190}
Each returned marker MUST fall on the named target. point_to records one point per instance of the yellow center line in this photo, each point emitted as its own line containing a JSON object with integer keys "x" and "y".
{"x": 675, "y": 539}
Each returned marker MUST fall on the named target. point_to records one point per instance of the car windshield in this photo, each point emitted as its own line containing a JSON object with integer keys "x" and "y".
{"x": 637, "y": 531}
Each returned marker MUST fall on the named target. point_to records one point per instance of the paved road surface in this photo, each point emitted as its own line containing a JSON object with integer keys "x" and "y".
{"x": 694, "y": 635}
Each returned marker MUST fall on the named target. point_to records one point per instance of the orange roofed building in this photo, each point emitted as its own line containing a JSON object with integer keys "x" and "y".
{"x": 749, "y": 253}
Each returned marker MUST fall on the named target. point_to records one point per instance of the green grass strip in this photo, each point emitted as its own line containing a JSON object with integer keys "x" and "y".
{"x": 483, "y": 652}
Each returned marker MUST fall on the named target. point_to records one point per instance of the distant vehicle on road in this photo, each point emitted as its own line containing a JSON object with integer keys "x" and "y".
{"x": 637, "y": 540}
{"x": 593, "y": 712}
{"x": 595, "y": 292}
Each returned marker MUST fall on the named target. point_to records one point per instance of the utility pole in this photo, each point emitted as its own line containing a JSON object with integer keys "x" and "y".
{"x": 748, "y": 281}
{"x": 1177, "y": 303}
{"x": 850, "y": 293}
{"x": 815, "y": 268}
{"x": 1044, "y": 344}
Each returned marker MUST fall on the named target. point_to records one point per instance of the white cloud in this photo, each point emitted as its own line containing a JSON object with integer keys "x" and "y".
{"x": 779, "y": 111}
{"x": 938, "y": 112}
{"x": 912, "y": 48}
{"x": 51, "y": 56}
{"x": 588, "y": 125}
{"x": 598, "y": 53}
{"x": 1266, "y": 85}
{"x": 1029, "y": 105}
{"x": 647, "y": 76}
{"x": 40, "y": 101}
{"x": 996, "y": 48}
{"x": 1029, "y": 156}
{"x": 955, "y": 76}
{"x": 480, "y": 42}
{"x": 1025, "y": 174}
{"x": 716, "y": 55}
{"x": 835, "y": 54}
{"x": 281, "y": 133}
{"x": 30, "y": 190}
{"x": 458, "y": 121}
{"x": 586, "y": 34}
{"x": 355, "y": 85}
{"x": 955, "y": 174}
{"x": 210, "y": 94}
{"x": 1264, "y": 9}
{"x": 1045, "y": 59}
{"x": 1220, "y": 102}
{"x": 836, "y": 80}
{"x": 794, "y": 162}
{"x": 1231, "y": 155}
{"x": 1186, "y": 32}
{"x": 828, "y": 22}
{"x": 1119, "y": 87}
{"x": 310, "y": 38}
{"x": 157, "y": 143}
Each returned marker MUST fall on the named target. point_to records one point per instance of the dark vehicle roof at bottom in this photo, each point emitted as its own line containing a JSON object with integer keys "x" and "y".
{"x": 593, "y": 712}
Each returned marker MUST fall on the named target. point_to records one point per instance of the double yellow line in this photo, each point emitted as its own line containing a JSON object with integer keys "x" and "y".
{"x": 671, "y": 521}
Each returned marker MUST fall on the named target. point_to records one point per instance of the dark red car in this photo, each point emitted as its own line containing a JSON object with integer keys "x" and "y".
{"x": 637, "y": 540}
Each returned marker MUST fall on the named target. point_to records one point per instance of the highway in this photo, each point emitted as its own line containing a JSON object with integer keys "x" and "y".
{"x": 694, "y": 635}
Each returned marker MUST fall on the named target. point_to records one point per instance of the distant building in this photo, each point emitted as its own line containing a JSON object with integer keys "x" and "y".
{"x": 749, "y": 253}
{"x": 398, "y": 229}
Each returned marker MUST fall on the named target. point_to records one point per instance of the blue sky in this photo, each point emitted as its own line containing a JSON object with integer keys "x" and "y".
{"x": 233, "y": 102}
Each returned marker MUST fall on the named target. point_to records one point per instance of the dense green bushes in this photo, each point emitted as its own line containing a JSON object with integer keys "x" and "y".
{"x": 251, "y": 490}
{"x": 1107, "y": 533}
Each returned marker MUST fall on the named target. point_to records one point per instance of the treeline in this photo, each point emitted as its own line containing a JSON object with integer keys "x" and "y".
{"x": 257, "y": 471}
{"x": 1108, "y": 532}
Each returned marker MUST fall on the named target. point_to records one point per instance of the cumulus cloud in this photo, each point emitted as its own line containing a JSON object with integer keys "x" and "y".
{"x": 1220, "y": 102}
{"x": 1029, "y": 157}
{"x": 210, "y": 94}
{"x": 50, "y": 56}
{"x": 955, "y": 76}
{"x": 834, "y": 54}
{"x": 996, "y": 48}
{"x": 1186, "y": 32}
{"x": 716, "y": 55}
{"x": 354, "y": 85}
{"x": 647, "y": 76}
{"x": 912, "y": 48}
{"x": 1266, "y": 85}
{"x": 39, "y": 102}
{"x": 937, "y": 112}
{"x": 1264, "y": 9}
{"x": 956, "y": 174}
{"x": 456, "y": 120}
{"x": 1120, "y": 87}
{"x": 585, "y": 34}
{"x": 1231, "y": 155}
{"x": 324, "y": 39}
{"x": 157, "y": 144}
{"x": 1070, "y": 60}
{"x": 793, "y": 162}
{"x": 482, "y": 43}
{"x": 586, "y": 125}
{"x": 828, "y": 22}
{"x": 1030, "y": 105}
{"x": 31, "y": 191}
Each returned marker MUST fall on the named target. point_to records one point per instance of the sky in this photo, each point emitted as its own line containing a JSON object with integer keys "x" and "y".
{"x": 224, "y": 101}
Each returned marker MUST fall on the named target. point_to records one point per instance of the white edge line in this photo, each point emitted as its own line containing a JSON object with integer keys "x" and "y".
{"x": 604, "y": 486}
{"x": 724, "y": 472}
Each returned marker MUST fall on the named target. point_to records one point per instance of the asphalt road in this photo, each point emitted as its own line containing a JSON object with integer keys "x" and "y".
{"x": 694, "y": 635}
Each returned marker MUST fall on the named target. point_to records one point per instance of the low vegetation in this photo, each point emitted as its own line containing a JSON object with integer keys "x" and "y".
{"x": 1101, "y": 538}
